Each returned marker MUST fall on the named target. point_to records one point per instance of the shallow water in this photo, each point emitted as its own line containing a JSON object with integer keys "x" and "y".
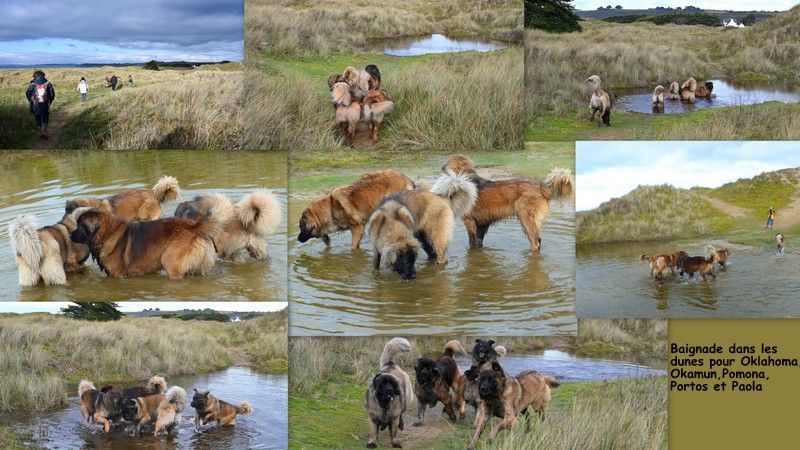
{"x": 500, "y": 289}
{"x": 39, "y": 183}
{"x": 612, "y": 281}
{"x": 266, "y": 428}
{"x": 725, "y": 93}
{"x": 566, "y": 367}
{"x": 435, "y": 43}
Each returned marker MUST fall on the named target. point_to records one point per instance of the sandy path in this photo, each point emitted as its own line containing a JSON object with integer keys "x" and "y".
{"x": 789, "y": 215}
{"x": 57, "y": 121}
{"x": 727, "y": 208}
{"x": 436, "y": 425}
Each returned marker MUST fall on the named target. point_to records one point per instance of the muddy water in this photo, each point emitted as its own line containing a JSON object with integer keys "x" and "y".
{"x": 39, "y": 183}
{"x": 435, "y": 43}
{"x": 500, "y": 289}
{"x": 266, "y": 428}
{"x": 725, "y": 93}
{"x": 613, "y": 282}
{"x": 566, "y": 367}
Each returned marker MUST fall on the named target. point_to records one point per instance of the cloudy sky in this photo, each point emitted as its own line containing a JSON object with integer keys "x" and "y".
{"x": 732, "y": 5}
{"x": 54, "y": 307}
{"x": 608, "y": 170}
{"x": 99, "y": 31}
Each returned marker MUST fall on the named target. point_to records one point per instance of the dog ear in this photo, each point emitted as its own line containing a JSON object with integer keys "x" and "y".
{"x": 69, "y": 207}
{"x": 496, "y": 367}
{"x": 404, "y": 216}
{"x": 491, "y": 342}
{"x": 477, "y": 341}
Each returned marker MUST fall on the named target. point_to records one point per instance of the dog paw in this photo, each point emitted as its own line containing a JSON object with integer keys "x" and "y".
{"x": 417, "y": 423}
{"x": 371, "y": 445}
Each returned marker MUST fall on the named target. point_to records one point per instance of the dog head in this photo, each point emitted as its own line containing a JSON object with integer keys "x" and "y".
{"x": 350, "y": 74}
{"x": 427, "y": 372}
{"x": 594, "y": 80}
{"x": 709, "y": 86}
{"x": 130, "y": 409}
{"x": 403, "y": 261}
{"x": 483, "y": 351}
{"x": 86, "y": 226}
{"x": 386, "y": 389}
{"x": 491, "y": 381}
{"x": 201, "y": 400}
{"x": 311, "y": 228}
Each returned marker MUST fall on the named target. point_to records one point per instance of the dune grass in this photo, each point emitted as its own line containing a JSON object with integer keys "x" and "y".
{"x": 642, "y": 55}
{"x": 640, "y": 214}
{"x": 300, "y": 28}
{"x": 328, "y": 378}
{"x": 44, "y": 356}
{"x": 169, "y": 108}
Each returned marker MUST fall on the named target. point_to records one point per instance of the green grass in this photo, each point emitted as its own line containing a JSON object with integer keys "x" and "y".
{"x": 773, "y": 189}
{"x": 44, "y": 356}
{"x": 317, "y": 171}
{"x": 9, "y": 440}
{"x": 737, "y": 122}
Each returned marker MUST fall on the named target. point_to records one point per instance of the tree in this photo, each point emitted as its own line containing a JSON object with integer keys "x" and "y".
{"x": 749, "y": 19}
{"x": 618, "y": 7}
{"x": 95, "y": 311}
{"x": 554, "y": 16}
{"x": 151, "y": 65}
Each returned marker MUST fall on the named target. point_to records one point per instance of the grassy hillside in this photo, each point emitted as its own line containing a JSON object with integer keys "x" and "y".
{"x": 170, "y": 108}
{"x": 43, "y": 356}
{"x": 667, "y": 213}
{"x": 328, "y": 378}
{"x": 641, "y": 55}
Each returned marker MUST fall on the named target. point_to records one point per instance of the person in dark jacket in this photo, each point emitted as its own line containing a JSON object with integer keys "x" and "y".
{"x": 40, "y": 95}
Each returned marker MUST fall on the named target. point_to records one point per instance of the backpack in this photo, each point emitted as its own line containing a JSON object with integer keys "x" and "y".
{"x": 40, "y": 94}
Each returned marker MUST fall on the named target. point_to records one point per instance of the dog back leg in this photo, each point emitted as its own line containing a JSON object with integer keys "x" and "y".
{"x": 420, "y": 414}
{"x": 472, "y": 231}
{"x": 480, "y": 422}
{"x": 481, "y": 233}
{"x": 52, "y": 268}
{"x": 531, "y": 219}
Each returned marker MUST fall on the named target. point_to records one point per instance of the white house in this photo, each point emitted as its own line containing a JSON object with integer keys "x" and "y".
{"x": 731, "y": 23}
{"x": 236, "y": 319}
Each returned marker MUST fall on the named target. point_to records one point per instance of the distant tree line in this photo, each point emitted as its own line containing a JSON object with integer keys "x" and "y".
{"x": 675, "y": 18}
{"x": 553, "y": 16}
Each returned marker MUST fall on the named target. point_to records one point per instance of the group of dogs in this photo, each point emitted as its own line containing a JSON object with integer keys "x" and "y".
{"x": 485, "y": 386}
{"x": 403, "y": 217}
{"x": 601, "y": 101}
{"x": 357, "y": 95}
{"x": 683, "y": 263}
{"x": 155, "y": 404}
{"x": 127, "y": 237}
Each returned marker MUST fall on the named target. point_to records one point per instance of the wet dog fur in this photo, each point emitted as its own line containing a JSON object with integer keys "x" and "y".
{"x": 210, "y": 409}
{"x": 133, "y": 205}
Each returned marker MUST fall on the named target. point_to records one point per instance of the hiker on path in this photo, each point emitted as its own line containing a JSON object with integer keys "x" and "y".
{"x": 83, "y": 89}
{"x": 770, "y": 217}
{"x": 130, "y": 81}
{"x": 40, "y": 95}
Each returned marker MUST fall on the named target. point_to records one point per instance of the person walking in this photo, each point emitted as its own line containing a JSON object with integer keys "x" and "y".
{"x": 770, "y": 217}
{"x": 130, "y": 81}
{"x": 83, "y": 89}
{"x": 40, "y": 95}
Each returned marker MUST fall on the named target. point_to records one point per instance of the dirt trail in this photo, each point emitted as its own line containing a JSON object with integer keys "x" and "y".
{"x": 363, "y": 139}
{"x": 436, "y": 425}
{"x": 238, "y": 358}
{"x": 57, "y": 121}
{"x": 727, "y": 208}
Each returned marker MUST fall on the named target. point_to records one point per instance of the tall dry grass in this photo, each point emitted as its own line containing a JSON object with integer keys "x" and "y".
{"x": 452, "y": 102}
{"x": 649, "y": 213}
{"x": 299, "y": 28}
{"x": 42, "y": 356}
{"x": 619, "y": 415}
{"x": 645, "y": 338}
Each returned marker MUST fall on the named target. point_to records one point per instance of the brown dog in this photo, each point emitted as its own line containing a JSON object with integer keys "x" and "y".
{"x": 528, "y": 200}
{"x": 659, "y": 265}
{"x": 348, "y": 109}
{"x": 507, "y": 397}
{"x": 210, "y": 409}
{"x": 251, "y": 221}
{"x": 133, "y": 205}
{"x": 106, "y": 404}
{"x": 164, "y": 408}
{"x": 376, "y": 105}
{"x": 779, "y": 240}
{"x": 178, "y": 246}
{"x": 687, "y": 90}
{"x": 348, "y": 207}
{"x": 388, "y": 394}
{"x": 45, "y": 254}
{"x": 434, "y": 380}
{"x": 482, "y": 352}
{"x": 703, "y": 265}
{"x": 720, "y": 256}
{"x": 408, "y": 220}
{"x": 704, "y": 91}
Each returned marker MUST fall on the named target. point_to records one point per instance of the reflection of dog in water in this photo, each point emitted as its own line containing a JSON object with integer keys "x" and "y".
{"x": 210, "y": 409}
{"x": 527, "y": 200}
{"x": 388, "y": 394}
{"x": 507, "y": 397}
{"x": 779, "y": 239}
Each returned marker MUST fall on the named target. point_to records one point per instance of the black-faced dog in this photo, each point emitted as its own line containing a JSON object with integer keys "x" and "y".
{"x": 435, "y": 378}
{"x": 389, "y": 394}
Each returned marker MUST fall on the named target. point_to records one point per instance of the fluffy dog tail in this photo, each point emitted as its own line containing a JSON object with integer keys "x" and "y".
{"x": 501, "y": 351}
{"x": 245, "y": 408}
{"x": 84, "y": 386}
{"x": 392, "y": 348}
{"x": 157, "y": 385}
{"x": 28, "y": 247}
{"x": 167, "y": 189}
{"x": 690, "y": 84}
{"x": 711, "y": 255}
{"x": 551, "y": 381}
{"x": 559, "y": 184}
{"x": 220, "y": 211}
{"x": 259, "y": 213}
{"x": 458, "y": 189}
{"x": 177, "y": 396}
{"x": 453, "y": 347}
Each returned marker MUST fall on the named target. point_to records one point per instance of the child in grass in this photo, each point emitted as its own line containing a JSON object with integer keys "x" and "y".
{"x": 83, "y": 89}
